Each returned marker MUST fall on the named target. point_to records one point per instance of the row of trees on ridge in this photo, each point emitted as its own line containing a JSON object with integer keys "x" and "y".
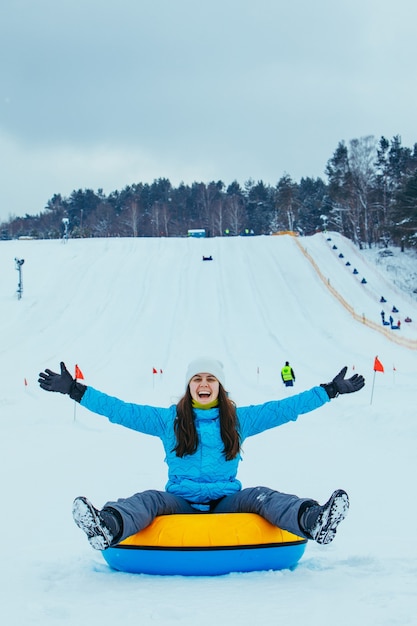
{"x": 370, "y": 196}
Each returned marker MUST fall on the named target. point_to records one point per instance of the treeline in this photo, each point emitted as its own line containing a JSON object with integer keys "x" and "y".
{"x": 370, "y": 196}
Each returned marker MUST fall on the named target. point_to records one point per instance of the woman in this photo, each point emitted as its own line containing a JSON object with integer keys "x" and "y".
{"x": 202, "y": 436}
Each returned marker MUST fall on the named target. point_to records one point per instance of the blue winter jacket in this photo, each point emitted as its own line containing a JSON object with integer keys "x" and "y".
{"x": 205, "y": 475}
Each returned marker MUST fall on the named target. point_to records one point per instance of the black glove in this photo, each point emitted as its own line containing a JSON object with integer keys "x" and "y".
{"x": 63, "y": 383}
{"x": 340, "y": 384}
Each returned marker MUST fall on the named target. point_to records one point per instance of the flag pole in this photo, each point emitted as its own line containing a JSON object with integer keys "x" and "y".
{"x": 373, "y": 383}
{"x": 77, "y": 374}
{"x": 75, "y": 404}
{"x": 378, "y": 367}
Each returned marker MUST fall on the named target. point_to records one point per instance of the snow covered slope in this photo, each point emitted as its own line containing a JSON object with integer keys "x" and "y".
{"x": 121, "y": 307}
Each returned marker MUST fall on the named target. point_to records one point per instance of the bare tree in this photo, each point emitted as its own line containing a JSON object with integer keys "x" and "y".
{"x": 235, "y": 213}
{"x": 362, "y": 157}
{"x": 160, "y": 216}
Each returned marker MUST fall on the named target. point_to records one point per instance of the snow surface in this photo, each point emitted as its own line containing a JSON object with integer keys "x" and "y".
{"x": 120, "y": 307}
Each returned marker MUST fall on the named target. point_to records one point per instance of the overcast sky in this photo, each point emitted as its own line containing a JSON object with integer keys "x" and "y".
{"x": 105, "y": 93}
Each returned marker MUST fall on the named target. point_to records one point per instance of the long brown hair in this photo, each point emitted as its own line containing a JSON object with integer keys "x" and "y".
{"x": 186, "y": 433}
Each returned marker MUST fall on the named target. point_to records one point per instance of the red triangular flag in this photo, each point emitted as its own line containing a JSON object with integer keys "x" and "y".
{"x": 378, "y": 367}
{"x": 154, "y": 371}
{"x": 78, "y": 373}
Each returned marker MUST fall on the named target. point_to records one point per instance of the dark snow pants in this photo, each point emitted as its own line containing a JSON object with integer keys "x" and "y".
{"x": 280, "y": 509}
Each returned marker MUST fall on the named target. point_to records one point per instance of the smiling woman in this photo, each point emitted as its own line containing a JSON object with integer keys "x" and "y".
{"x": 202, "y": 436}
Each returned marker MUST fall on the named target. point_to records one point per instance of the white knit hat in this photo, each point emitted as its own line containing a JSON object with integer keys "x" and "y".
{"x": 205, "y": 365}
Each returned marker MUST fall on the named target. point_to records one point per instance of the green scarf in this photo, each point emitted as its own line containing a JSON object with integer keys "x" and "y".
{"x": 210, "y": 405}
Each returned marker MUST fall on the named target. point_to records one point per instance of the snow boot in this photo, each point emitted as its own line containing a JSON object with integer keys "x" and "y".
{"x": 321, "y": 522}
{"x": 101, "y": 527}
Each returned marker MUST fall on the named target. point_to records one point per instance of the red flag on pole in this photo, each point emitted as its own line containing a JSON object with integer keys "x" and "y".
{"x": 78, "y": 373}
{"x": 378, "y": 367}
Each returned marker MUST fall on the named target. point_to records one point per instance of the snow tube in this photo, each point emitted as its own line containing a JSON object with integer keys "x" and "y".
{"x": 207, "y": 545}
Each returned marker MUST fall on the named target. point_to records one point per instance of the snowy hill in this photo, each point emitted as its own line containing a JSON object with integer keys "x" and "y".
{"x": 121, "y": 307}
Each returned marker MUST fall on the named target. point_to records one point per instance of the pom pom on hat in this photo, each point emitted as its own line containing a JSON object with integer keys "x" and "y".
{"x": 205, "y": 365}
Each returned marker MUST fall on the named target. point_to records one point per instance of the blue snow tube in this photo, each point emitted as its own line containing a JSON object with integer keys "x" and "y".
{"x": 207, "y": 545}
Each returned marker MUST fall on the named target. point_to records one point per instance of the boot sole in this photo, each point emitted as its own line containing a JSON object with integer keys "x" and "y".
{"x": 86, "y": 517}
{"x": 336, "y": 511}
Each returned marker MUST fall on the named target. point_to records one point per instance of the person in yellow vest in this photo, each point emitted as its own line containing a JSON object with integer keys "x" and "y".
{"x": 287, "y": 375}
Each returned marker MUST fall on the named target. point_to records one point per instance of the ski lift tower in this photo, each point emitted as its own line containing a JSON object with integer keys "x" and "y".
{"x": 19, "y": 263}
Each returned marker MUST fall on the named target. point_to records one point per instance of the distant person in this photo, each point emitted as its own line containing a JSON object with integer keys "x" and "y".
{"x": 382, "y": 299}
{"x": 202, "y": 436}
{"x": 287, "y": 375}
{"x": 394, "y": 309}
{"x": 383, "y": 317}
